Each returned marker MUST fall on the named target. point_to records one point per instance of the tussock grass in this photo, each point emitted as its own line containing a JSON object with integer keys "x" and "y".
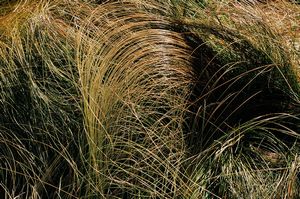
{"x": 148, "y": 99}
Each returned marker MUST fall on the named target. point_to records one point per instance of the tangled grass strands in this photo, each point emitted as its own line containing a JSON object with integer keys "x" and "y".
{"x": 147, "y": 99}
{"x": 263, "y": 160}
{"x": 118, "y": 73}
{"x": 39, "y": 105}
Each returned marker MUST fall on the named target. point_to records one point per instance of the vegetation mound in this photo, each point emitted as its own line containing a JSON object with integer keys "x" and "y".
{"x": 149, "y": 99}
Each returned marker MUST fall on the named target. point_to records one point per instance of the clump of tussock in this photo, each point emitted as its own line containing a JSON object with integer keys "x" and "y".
{"x": 107, "y": 82}
{"x": 146, "y": 99}
{"x": 249, "y": 75}
{"x": 41, "y": 118}
{"x": 134, "y": 79}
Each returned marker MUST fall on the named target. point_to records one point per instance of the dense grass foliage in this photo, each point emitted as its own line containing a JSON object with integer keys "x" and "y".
{"x": 149, "y": 99}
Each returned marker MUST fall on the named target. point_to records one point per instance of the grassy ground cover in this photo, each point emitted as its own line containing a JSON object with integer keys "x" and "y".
{"x": 149, "y": 99}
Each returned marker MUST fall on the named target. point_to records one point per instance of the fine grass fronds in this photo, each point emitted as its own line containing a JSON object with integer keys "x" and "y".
{"x": 149, "y": 99}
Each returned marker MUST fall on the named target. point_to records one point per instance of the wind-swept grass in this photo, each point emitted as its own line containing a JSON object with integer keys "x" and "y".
{"x": 147, "y": 99}
{"x": 134, "y": 88}
{"x": 249, "y": 76}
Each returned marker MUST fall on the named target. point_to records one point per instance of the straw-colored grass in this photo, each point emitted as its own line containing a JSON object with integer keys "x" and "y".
{"x": 149, "y": 99}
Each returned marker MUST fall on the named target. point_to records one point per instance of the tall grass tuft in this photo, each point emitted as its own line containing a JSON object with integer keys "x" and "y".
{"x": 148, "y": 99}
